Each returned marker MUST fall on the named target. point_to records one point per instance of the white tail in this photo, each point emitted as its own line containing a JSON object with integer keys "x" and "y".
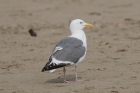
{"x": 52, "y": 70}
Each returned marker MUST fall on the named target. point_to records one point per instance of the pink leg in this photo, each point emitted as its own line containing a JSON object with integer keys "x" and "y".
{"x": 65, "y": 81}
{"x": 64, "y": 70}
{"x": 76, "y": 75}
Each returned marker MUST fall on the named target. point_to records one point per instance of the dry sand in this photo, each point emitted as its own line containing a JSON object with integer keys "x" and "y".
{"x": 112, "y": 64}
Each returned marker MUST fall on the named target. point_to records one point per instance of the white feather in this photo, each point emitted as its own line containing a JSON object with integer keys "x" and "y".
{"x": 54, "y": 60}
{"x": 52, "y": 70}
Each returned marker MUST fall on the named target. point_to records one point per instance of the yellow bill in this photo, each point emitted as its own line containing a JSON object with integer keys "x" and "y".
{"x": 89, "y": 25}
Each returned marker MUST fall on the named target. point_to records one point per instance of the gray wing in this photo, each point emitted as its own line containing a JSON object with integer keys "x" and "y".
{"x": 72, "y": 50}
{"x": 70, "y": 41}
{"x": 69, "y": 49}
{"x": 71, "y": 54}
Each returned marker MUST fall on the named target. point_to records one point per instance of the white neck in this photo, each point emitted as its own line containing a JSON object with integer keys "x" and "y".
{"x": 79, "y": 34}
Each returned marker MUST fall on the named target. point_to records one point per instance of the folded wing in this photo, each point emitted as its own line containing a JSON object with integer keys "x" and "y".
{"x": 67, "y": 52}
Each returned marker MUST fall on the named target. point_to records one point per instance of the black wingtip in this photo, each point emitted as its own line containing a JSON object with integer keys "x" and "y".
{"x": 44, "y": 69}
{"x": 53, "y": 66}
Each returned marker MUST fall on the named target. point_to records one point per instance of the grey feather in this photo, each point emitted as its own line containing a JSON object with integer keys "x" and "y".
{"x": 72, "y": 51}
{"x": 70, "y": 41}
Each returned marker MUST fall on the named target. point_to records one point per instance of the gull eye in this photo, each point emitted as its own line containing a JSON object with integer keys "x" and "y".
{"x": 81, "y": 22}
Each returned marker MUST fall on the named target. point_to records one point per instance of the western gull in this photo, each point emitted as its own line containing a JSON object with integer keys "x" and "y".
{"x": 69, "y": 51}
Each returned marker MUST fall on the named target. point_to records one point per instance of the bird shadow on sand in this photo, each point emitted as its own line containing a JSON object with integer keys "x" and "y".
{"x": 60, "y": 79}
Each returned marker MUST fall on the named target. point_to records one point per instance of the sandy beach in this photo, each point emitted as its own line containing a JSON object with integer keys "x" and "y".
{"x": 112, "y": 63}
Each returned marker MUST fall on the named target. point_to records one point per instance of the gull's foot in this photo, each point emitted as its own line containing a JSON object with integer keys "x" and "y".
{"x": 79, "y": 80}
{"x": 66, "y": 81}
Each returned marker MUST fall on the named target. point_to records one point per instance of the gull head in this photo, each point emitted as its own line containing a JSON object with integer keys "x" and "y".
{"x": 79, "y": 24}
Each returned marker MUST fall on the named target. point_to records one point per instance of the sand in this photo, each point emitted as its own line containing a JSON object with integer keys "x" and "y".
{"x": 112, "y": 64}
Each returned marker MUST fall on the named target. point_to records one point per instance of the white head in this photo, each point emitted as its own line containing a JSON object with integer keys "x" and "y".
{"x": 79, "y": 24}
